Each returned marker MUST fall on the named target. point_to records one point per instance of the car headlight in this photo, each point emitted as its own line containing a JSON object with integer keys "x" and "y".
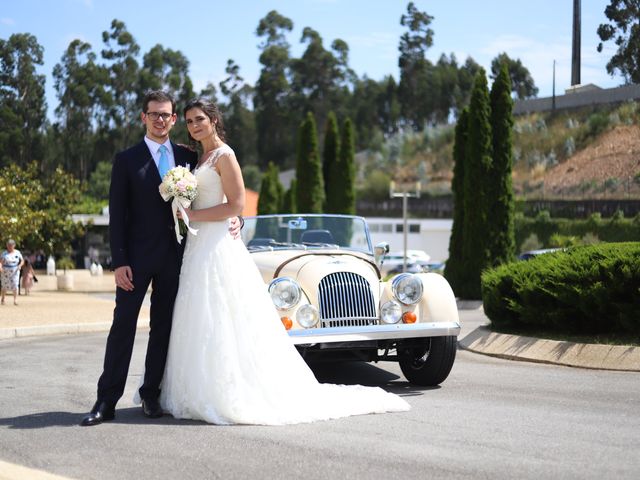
{"x": 307, "y": 316}
{"x": 390, "y": 312}
{"x": 285, "y": 293}
{"x": 407, "y": 288}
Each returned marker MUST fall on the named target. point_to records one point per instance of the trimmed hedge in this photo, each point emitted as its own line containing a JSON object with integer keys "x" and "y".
{"x": 584, "y": 290}
{"x": 614, "y": 229}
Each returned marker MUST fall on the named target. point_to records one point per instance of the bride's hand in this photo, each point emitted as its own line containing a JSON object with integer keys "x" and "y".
{"x": 189, "y": 213}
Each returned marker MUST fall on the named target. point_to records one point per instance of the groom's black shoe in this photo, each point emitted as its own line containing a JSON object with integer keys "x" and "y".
{"x": 151, "y": 408}
{"x": 101, "y": 412}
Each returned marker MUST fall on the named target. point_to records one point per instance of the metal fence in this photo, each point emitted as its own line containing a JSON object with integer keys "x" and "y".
{"x": 442, "y": 207}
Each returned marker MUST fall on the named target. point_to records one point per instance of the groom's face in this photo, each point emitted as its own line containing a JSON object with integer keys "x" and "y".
{"x": 158, "y": 119}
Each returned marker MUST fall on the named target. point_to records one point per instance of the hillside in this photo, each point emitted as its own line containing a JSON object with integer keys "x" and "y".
{"x": 579, "y": 154}
{"x": 609, "y": 167}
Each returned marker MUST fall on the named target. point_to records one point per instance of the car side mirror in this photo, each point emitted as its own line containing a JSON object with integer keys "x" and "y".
{"x": 379, "y": 251}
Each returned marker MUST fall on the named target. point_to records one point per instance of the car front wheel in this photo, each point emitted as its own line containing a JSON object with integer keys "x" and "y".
{"x": 429, "y": 363}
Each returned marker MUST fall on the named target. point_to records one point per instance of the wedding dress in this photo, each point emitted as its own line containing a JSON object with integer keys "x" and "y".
{"x": 230, "y": 359}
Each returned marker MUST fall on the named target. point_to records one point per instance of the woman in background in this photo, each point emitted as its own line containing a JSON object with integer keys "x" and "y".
{"x": 12, "y": 261}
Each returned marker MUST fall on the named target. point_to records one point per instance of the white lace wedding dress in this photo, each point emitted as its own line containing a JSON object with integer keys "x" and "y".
{"x": 230, "y": 359}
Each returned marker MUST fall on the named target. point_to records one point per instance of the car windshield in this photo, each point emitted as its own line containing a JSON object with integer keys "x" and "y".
{"x": 305, "y": 232}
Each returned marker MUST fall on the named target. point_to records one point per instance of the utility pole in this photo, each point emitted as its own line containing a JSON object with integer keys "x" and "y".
{"x": 575, "y": 51}
{"x": 405, "y": 193}
{"x": 553, "y": 95}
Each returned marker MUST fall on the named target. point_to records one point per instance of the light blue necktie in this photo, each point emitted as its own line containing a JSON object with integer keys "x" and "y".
{"x": 163, "y": 164}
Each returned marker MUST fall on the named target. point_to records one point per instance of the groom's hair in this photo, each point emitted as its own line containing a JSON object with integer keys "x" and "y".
{"x": 158, "y": 96}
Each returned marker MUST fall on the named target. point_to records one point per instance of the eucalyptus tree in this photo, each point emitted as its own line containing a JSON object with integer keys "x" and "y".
{"x": 22, "y": 100}
{"x": 522, "y": 83}
{"x": 623, "y": 29}
{"x": 414, "y": 67}
{"x": 239, "y": 120}
{"x": 120, "y": 53}
{"x": 321, "y": 77}
{"x": 275, "y": 142}
{"x": 80, "y": 84}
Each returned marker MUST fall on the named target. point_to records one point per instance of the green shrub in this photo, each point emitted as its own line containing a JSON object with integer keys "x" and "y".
{"x": 584, "y": 290}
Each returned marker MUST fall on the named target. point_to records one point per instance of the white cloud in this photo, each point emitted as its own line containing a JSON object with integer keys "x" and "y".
{"x": 7, "y": 21}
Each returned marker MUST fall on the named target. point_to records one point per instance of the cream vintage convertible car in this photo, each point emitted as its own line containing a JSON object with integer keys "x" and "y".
{"x": 324, "y": 278}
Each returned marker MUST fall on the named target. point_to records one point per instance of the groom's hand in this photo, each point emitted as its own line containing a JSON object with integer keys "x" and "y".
{"x": 124, "y": 278}
{"x": 235, "y": 225}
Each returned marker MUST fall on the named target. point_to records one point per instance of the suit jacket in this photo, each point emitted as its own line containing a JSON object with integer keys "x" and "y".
{"x": 141, "y": 226}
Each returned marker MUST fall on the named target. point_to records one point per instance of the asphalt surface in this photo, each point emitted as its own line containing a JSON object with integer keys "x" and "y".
{"x": 491, "y": 418}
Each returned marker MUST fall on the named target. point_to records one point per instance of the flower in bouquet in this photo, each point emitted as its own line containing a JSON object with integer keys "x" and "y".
{"x": 180, "y": 186}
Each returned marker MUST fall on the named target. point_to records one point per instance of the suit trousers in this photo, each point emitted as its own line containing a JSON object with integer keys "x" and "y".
{"x": 164, "y": 284}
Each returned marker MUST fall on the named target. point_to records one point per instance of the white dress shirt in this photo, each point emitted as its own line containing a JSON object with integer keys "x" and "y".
{"x": 154, "y": 148}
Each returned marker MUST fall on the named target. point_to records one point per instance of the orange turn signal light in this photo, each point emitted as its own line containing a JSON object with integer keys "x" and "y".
{"x": 409, "y": 317}
{"x": 286, "y": 321}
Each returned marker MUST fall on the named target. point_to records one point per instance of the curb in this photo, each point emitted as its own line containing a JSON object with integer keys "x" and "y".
{"x": 61, "y": 329}
{"x": 513, "y": 347}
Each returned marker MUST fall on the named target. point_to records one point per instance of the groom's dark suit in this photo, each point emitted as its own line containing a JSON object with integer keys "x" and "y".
{"x": 142, "y": 236}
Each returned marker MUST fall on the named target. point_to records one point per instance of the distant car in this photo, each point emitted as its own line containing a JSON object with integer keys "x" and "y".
{"x": 417, "y": 262}
{"x": 324, "y": 279}
{"x": 528, "y": 255}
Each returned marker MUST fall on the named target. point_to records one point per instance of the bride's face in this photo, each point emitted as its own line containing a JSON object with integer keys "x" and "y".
{"x": 199, "y": 124}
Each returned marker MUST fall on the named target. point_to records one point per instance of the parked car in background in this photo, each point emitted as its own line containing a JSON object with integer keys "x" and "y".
{"x": 324, "y": 278}
{"x": 528, "y": 255}
{"x": 417, "y": 262}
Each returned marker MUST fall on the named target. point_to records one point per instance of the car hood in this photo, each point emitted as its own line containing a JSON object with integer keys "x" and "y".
{"x": 308, "y": 268}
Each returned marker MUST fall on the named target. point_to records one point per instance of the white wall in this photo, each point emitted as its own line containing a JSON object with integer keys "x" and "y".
{"x": 430, "y": 235}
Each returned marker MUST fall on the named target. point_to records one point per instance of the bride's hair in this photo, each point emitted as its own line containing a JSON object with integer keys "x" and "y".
{"x": 212, "y": 111}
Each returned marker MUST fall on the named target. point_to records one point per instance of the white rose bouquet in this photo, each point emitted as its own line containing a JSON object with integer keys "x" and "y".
{"x": 180, "y": 185}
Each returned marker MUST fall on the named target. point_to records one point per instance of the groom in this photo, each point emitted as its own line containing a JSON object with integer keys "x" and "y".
{"x": 144, "y": 251}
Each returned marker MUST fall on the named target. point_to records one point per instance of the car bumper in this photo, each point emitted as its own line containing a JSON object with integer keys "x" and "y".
{"x": 374, "y": 332}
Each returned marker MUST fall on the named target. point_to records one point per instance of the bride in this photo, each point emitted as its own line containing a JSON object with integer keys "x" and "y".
{"x": 230, "y": 360}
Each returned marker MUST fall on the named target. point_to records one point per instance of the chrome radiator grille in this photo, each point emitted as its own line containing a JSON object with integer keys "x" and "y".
{"x": 346, "y": 300}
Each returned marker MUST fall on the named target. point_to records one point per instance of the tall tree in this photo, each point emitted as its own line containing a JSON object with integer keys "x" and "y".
{"x": 476, "y": 178}
{"x": 501, "y": 233}
{"x": 522, "y": 83}
{"x": 238, "y": 118}
{"x": 273, "y": 123}
{"x": 309, "y": 187}
{"x": 455, "y": 267}
{"x": 270, "y": 199}
{"x": 22, "y": 101}
{"x": 320, "y": 76}
{"x": 120, "y": 52}
{"x": 413, "y": 90}
{"x": 81, "y": 89}
{"x": 329, "y": 155}
{"x": 166, "y": 69}
{"x": 289, "y": 200}
{"x": 343, "y": 175}
{"x": 624, "y": 30}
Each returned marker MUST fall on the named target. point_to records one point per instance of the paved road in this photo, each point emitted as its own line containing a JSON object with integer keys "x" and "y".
{"x": 491, "y": 419}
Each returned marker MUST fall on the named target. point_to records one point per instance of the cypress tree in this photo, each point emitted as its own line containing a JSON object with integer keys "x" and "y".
{"x": 340, "y": 187}
{"x": 329, "y": 156}
{"x": 310, "y": 186}
{"x": 269, "y": 201}
{"x": 345, "y": 171}
{"x": 454, "y": 270}
{"x": 476, "y": 178}
{"x": 289, "y": 200}
{"x": 501, "y": 204}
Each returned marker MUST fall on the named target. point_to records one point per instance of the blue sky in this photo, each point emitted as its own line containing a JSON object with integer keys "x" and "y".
{"x": 210, "y": 32}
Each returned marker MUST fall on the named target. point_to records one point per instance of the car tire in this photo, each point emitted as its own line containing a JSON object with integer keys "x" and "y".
{"x": 429, "y": 364}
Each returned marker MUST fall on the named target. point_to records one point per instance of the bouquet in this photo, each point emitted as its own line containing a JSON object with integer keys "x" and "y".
{"x": 180, "y": 185}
